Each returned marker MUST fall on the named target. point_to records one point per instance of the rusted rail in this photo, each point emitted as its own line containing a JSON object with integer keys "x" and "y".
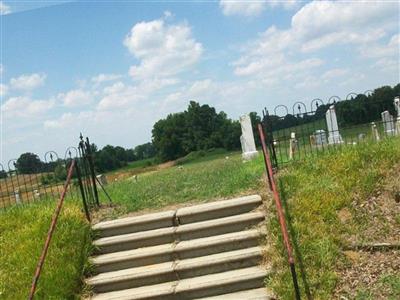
{"x": 50, "y": 232}
{"x": 281, "y": 216}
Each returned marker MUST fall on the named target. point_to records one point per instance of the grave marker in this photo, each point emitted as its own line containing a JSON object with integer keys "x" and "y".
{"x": 375, "y": 133}
{"x": 388, "y": 123}
{"x": 333, "y": 128}
{"x": 397, "y": 107}
{"x": 247, "y": 138}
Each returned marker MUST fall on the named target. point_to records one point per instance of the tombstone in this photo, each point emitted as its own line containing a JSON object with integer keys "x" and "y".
{"x": 361, "y": 136}
{"x": 102, "y": 179}
{"x": 312, "y": 140}
{"x": 388, "y": 123}
{"x": 247, "y": 138}
{"x": 36, "y": 194}
{"x": 397, "y": 107}
{"x": 292, "y": 145}
{"x": 333, "y": 128}
{"x": 320, "y": 137}
{"x": 17, "y": 197}
{"x": 375, "y": 133}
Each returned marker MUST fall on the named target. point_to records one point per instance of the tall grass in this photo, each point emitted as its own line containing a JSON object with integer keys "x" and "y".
{"x": 23, "y": 230}
{"x": 314, "y": 191}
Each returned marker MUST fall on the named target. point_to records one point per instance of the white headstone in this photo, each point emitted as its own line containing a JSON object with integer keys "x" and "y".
{"x": 320, "y": 137}
{"x": 375, "y": 133}
{"x": 397, "y": 107}
{"x": 102, "y": 179}
{"x": 388, "y": 123}
{"x": 247, "y": 138}
{"x": 333, "y": 128}
{"x": 17, "y": 197}
{"x": 292, "y": 145}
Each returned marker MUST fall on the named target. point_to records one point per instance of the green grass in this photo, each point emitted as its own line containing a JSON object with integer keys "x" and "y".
{"x": 315, "y": 190}
{"x": 204, "y": 179}
{"x": 23, "y": 230}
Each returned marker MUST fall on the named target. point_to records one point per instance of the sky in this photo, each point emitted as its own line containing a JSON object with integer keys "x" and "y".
{"x": 112, "y": 69}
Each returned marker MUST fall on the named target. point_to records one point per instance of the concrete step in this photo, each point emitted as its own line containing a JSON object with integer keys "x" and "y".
{"x": 183, "y": 232}
{"x": 135, "y": 224}
{"x": 184, "y": 249}
{"x": 185, "y": 215}
{"x": 253, "y": 294}
{"x": 203, "y": 286}
{"x": 218, "y": 209}
{"x": 163, "y": 272}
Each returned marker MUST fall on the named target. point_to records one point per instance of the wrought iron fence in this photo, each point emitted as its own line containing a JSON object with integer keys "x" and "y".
{"x": 30, "y": 179}
{"x": 300, "y": 131}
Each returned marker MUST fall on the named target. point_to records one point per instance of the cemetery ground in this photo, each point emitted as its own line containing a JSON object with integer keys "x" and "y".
{"x": 329, "y": 199}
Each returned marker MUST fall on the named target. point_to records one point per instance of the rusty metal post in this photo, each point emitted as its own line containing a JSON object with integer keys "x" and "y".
{"x": 281, "y": 216}
{"x": 92, "y": 172}
{"x": 85, "y": 206}
{"x": 50, "y": 232}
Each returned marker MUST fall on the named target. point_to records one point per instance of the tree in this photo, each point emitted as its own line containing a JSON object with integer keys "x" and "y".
{"x": 144, "y": 151}
{"x": 200, "y": 127}
{"x": 255, "y": 120}
{"x": 28, "y": 163}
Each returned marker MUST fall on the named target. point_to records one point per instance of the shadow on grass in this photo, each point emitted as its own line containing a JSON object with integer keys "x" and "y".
{"x": 294, "y": 241}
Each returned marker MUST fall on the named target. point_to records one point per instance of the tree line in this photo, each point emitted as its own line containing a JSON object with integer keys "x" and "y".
{"x": 106, "y": 159}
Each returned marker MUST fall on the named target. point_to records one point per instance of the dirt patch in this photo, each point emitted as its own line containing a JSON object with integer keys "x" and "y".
{"x": 373, "y": 273}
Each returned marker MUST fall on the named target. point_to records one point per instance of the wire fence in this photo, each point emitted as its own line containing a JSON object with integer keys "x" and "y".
{"x": 300, "y": 131}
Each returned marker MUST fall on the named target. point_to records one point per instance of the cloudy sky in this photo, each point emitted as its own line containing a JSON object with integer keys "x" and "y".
{"x": 111, "y": 70}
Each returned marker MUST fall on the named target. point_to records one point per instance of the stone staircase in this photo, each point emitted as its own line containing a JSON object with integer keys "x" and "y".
{"x": 207, "y": 251}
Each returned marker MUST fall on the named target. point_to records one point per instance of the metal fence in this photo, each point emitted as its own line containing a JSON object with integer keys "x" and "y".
{"x": 300, "y": 131}
{"x": 29, "y": 178}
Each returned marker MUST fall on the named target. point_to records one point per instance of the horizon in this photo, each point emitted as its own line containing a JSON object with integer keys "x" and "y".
{"x": 112, "y": 71}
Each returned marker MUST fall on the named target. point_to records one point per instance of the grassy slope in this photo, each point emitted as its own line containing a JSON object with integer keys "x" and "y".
{"x": 316, "y": 191}
{"x": 196, "y": 181}
{"x": 23, "y": 231}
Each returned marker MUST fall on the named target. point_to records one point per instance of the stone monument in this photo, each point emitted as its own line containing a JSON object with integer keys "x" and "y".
{"x": 375, "y": 133}
{"x": 292, "y": 145}
{"x": 397, "y": 107}
{"x": 388, "y": 123}
{"x": 320, "y": 137}
{"x": 247, "y": 138}
{"x": 333, "y": 128}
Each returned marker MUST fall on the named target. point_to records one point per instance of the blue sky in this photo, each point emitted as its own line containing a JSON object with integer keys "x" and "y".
{"x": 112, "y": 69}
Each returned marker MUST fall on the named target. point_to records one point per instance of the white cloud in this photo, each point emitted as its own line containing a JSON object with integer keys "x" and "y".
{"x": 25, "y": 107}
{"x": 278, "y": 55}
{"x": 4, "y": 8}
{"x": 391, "y": 49}
{"x": 253, "y": 7}
{"x": 115, "y": 88}
{"x": 105, "y": 77}
{"x": 28, "y": 81}
{"x": 3, "y": 90}
{"x": 334, "y": 73}
{"x": 75, "y": 98}
{"x": 163, "y": 49}
{"x": 324, "y": 23}
{"x": 242, "y": 8}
